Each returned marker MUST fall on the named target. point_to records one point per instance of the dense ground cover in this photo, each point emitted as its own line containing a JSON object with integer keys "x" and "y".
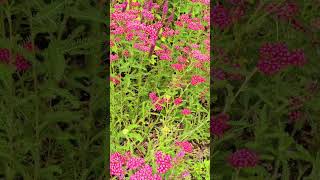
{"x": 52, "y": 89}
{"x": 266, "y": 90}
{"x": 159, "y": 90}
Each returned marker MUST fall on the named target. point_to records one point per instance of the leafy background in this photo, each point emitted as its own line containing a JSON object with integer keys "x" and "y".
{"x": 52, "y": 116}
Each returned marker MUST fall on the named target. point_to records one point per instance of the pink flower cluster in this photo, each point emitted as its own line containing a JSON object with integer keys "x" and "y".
{"x": 135, "y": 163}
{"x": 120, "y": 165}
{"x": 164, "y": 53}
{"x": 177, "y": 101}
{"x": 116, "y": 162}
{"x": 276, "y": 56}
{"x": 126, "y": 23}
{"x": 219, "y": 124}
{"x": 224, "y": 17}
{"x": 113, "y": 57}
{"x": 185, "y": 111}
{"x": 200, "y": 56}
{"x": 221, "y": 17}
{"x": 167, "y": 32}
{"x": 21, "y": 63}
{"x": 4, "y": 55}
{"x": 185, "y": 145}
{"x": 196, "y": 79}
{"x": 243, "y": 158}
{"x": 178, "y": 66}
{"x": 158, "y": 103}
{"x": 191, "y": 23}
{"x": 145, "y": 173}
{"x": 163, "y": 161}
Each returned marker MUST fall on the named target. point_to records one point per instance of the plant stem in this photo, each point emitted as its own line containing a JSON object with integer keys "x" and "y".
{"x": 244, "y": 84}
{"x": 274, "y": 176}
{"x": 237, "y": 174}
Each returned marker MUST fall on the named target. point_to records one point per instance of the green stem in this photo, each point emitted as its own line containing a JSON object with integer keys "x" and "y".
{"x": 237, "y": 174}
{"x": 274, "y": 176}
{"x": 244, "y": 84}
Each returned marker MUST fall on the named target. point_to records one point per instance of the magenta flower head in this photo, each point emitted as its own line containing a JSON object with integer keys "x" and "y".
{"x": 196, "y": 79}
{"x": 185, "y": 111}
{"x": 116, "y": 162}
{"x": 134, "y": 163}
{"x": 221, "y": 17}
{"x": 297, "y": 58}
{"x": 144, "y": 173}
{"x": 148, "y": 5}
{"x": 185, "y": 146}
{"x": 22, "y": 64}
{"x": 153, "y": 96}
{"x": 5, "y": 55}
{"x": 219, "y": 124}
{"x": 273, "y": 58}
{"x": 163, "y": 161}
{"x": 177, "y": 101}
{"x": 243, "y": 158}
{"x": 165, "y": 8}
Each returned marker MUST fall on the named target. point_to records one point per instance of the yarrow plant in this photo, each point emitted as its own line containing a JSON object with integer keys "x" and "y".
{"x": 263, "y": 71}
{"x": 160, "y": 65}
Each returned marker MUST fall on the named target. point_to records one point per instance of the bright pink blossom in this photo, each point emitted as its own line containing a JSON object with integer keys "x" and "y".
{"x": 185, "y": 145}
{"x": 177, "y": 101}
{"x": 163, "y": 161}
{"x": 185, "y": 111}
{"x": 145, "y": 173}
{"x": 178, "y": 67}
{"x": 195, "y": 80}
{"x": 116, "y": 162}
{"x": 134, "y": 163}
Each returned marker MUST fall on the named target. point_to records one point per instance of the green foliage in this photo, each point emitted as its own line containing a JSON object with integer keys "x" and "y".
{"x": 50, "y": 128}
{"x": 136, "y": 126}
